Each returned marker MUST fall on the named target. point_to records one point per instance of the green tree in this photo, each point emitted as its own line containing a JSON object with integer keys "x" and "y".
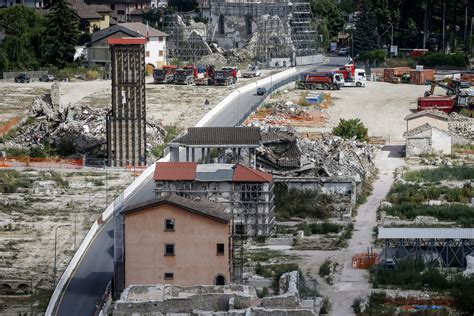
{"x": 61, "y": 35}
{"x": 183, "y": 5}
{"x": 21, "y": 46}
{"x": 366, "y": 36}
{"x": 463, "y": 294}
{"x": 351, "y": 128}
{"x": 329, "y": 16}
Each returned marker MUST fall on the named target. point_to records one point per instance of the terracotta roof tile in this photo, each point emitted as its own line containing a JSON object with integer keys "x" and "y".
{"x": 246, "y": 174}
{"x": 175, "y": 171}
{"x": 198, "y": 206}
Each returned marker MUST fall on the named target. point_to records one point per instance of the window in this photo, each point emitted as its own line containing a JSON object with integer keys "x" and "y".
{"x": 160, "y": 38}
{"x": 160, "y": 53}
{"x": 220, "y": 249}
{"x": 219, "y": 280}
{"x": 169, "y": 224}
{"x": 120, "y": 12}
{"x": 147, "y": 53}
{"x": 169, "y": 249}
{"x": 112, "y": 6}
{"x": 169, "y": 276}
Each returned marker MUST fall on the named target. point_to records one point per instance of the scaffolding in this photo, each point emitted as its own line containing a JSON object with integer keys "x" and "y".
{"x": 303, "y": 32}
{"x": 185, "y": 43}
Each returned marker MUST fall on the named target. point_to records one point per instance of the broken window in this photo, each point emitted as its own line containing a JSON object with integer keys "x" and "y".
{"x": 221, "y": 25}
{"x": 239, "y": 229}
{"x": 169, "y": 249}
{"x": 169, "y": 276}
{"x": 220, "y": 249}
{"x": 250, "y": 192}
{"x": 169, "y": 224}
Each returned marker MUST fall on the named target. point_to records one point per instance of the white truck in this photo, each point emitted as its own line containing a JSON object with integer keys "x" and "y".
{"x": 252, "y": 71}
{"x": 358, "y": 79}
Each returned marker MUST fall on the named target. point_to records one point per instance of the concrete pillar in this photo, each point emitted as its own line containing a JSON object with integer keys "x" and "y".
{"x": 187, "y": 153}
{"x": 203, "y": 155}
{"x": 233, "y": 155}
{"x": 192, "y": 154}
{"x": 174, "y": 154}
{"x": 208, "y": 155}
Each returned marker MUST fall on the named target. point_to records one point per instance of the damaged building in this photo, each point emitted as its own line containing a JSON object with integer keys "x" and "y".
{"x": 330, "y": 165}
{"x": 246, "y": 193}
{"x": 265, "y": 30}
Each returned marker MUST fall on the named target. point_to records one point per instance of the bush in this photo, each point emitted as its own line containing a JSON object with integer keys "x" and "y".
{"x": 465, "y": 172}
{"x": 11, "y": 180}
{"x": 325, "y": 268}
{"x": 305, "y": 204}
{"x": 326, "y": 306}
{"x": 263, "y": 292}
{"x": 463, "y": 294}
{"x": 324, "y": 228}
{"x": 461, "y": 213}
{"x": 351, "y": 128}
{"x": 431, "y": 59}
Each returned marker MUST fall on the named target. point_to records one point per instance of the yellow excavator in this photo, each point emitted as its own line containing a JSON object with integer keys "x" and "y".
{"x": 452, "y": 86}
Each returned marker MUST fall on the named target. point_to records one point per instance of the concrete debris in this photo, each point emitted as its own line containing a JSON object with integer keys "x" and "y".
{"x": 284, "y": 152}
{"x": 469, "y": 265}
{"x": 287, "y": 113}
{"x": 461, "y": 126}
{"x": 81, "y": 128}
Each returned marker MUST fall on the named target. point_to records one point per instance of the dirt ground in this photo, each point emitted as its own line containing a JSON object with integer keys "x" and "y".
{"x": 46, "y": 201}
{"x": 381, "y": 106}
{"x": 171, "y": 104}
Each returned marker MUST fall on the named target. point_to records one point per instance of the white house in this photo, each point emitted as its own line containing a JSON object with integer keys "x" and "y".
{"x": 427, "y": 139}
{"x": 155, "y": 48}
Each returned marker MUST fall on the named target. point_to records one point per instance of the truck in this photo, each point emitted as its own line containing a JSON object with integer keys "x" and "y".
{"x": 321, "y": 80}
{"x": 441, "y": 103}
{"x": 185, "y": 75}
{"x": 252, "y": 71}
{"x": 205, "y": 76}
{"x": 225, "y": 76}
{"x": 352, "y": 77}
{"x": 164, "y": 74}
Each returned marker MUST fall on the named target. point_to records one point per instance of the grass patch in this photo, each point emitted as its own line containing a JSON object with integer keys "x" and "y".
{"x": 303, "y": 204}
{"x": 320, "y": 228}
{"x": 415, "y": 193}
{"x": 441, "y": 173}
{"x": 12, "y": 180}
{"x": 410, "y": 275}
{"x": 263, "y": 255}
{"x": 460, "y": 213}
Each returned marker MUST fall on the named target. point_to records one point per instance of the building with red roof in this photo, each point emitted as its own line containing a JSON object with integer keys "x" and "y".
{"x": 245, "y": 192}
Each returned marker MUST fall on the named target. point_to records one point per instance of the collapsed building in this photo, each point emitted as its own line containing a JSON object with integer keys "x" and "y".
{"x": 329, "y": 165}
{"x": 265, "y": 30}
{"x": 224, "y": 300}
{"x": 79, "y": 129}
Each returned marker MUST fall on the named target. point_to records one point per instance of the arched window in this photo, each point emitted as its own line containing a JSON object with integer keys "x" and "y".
{"x": 219, "y": 280}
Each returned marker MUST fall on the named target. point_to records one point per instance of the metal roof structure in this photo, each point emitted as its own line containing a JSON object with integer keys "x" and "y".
{"x": 220, "y": 137}
{"x": 425, "y": 233}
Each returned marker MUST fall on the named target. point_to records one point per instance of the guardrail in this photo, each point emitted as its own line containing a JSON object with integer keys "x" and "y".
{"x": 275, "y": 81}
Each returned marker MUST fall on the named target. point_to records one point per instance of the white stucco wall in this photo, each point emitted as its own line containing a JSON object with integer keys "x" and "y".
{"x": 441, "y": 142}
{"x": 152, "y": 51}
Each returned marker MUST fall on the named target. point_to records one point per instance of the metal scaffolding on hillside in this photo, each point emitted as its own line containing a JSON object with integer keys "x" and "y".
{"x": 303, "y": 32}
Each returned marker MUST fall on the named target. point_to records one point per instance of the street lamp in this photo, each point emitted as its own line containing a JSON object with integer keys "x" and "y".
{"x": 55, "y": 246}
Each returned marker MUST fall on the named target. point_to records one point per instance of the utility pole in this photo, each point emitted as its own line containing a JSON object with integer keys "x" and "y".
{"x": 55, "y": 256}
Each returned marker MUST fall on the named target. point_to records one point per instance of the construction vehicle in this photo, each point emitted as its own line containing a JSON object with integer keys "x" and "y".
{"x": 252, "y": 71}
{"x": 205, "y": 76}
{"x": 452, "y": 86}
{"x": 321, "y": 80}
{"x": 185, "y": 75}
{"x": 352, "y": 77}
{"x": 441, "y": 103}
{"x": 225, "y": 76}
{"x": 164, "y": 74}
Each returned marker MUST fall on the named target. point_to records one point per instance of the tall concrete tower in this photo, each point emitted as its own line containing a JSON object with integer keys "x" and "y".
{"x": 126, "y": 137}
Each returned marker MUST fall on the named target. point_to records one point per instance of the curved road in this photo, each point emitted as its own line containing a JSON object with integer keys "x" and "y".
{"x": 95, "y": 269}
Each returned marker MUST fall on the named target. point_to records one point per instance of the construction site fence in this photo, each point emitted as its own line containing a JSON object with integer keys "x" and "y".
{"x": 65, "y": 163}
{"x": 10, "y": 75}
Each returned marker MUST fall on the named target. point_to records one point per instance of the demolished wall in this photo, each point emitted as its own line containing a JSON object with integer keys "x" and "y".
{"x": 80, "y": 127}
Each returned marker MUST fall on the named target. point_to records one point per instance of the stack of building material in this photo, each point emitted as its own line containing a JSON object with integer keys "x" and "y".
{"x": 389, "y": 73}
{"x": 420, "y": 76}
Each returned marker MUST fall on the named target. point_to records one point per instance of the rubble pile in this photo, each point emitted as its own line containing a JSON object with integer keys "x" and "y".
{"x": 285, "y": 153}
{"x": 461, "y": 126}
{"x": 83, "y": 127}
{"x": 286, "y": 113}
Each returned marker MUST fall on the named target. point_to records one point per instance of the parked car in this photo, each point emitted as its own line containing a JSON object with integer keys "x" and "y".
{"x": 22, "y": 78}
{"x": 344, "y": 51}
{"x": 261, "y": 91}
{"x": 46, "y": 78}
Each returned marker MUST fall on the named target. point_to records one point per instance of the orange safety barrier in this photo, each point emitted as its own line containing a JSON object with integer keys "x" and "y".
{"x": 364, "y": 260}
{"x": 40, "y": 162}
{"x": 137, "y": 170}
{"x": 8, "y": 125}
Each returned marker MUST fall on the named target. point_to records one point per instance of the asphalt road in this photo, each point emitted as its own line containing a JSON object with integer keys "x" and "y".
{"x": 95, "y": 270}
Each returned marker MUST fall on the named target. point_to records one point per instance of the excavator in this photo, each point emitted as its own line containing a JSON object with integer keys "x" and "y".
{"x": 452, "y": 86}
